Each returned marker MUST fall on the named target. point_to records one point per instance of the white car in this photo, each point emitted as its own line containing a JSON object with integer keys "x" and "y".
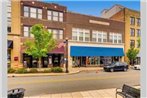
{"x": 137, "y": 67}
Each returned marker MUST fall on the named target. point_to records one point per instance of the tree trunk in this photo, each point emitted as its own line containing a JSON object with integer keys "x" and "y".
{"x": 39, "y": 63}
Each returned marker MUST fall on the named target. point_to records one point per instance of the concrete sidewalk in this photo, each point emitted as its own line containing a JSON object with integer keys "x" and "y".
{"x": 71, "y": 71}
{"x": 103, "y": 93}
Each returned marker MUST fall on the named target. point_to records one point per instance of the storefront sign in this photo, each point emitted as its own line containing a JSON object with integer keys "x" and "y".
{"x": 15, "y": 58}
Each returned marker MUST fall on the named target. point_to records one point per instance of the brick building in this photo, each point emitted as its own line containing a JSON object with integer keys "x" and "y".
{"x": 132, "y": 25}
{"x": 92, "y": 41}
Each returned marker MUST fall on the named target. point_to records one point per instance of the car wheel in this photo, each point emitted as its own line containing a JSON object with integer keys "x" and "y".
{"x": 112, "y": 70}
{"x": 125, "y": 69}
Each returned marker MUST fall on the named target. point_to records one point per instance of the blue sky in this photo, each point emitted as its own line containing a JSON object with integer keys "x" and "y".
{"x": 95, "y": 7}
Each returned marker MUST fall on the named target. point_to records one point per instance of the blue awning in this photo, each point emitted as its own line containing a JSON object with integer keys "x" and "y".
{"x": 95, "y": 51}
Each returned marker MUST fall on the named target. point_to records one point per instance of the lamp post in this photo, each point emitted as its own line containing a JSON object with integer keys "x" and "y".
{"x": 66, "y": 55}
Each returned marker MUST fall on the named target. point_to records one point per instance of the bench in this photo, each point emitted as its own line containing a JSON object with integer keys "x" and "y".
{"x": 128, "y": 92}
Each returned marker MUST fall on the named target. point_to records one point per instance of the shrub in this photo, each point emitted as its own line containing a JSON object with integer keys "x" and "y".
{"x": 33, "y": 70}
{"x": 11, "y": 70}
{"x": 56, "y": 69}
{"x": 21, "y": 70}
{"x": 47, "y": 71}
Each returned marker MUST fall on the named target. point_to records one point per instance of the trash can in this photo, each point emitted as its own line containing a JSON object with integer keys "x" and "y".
{"x": 16, "y": 93}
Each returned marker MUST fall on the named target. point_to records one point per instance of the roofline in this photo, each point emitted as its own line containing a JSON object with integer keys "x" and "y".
{"x": 95, "y": 16}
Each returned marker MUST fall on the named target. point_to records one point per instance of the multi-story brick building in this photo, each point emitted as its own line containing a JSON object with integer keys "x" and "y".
{"x": 92, "y": 41}
{"x": 132, "y": 25}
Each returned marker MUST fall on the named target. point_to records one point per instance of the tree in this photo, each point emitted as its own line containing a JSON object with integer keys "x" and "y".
{"x": 43, "y": 42}
{"x": 132, "y": 54}
{"x": 138, "y": 41}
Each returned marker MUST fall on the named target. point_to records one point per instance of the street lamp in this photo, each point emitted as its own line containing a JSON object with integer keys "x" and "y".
{"x": 66, "y": 54}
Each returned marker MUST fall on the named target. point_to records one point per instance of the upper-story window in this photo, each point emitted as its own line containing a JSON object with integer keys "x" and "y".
{"x": 55, "y": 15}
{"x": 138, "y": 33}
{"x": 132, "y": 43}
{"x": 138, "y": 21}
{"x": 98, "y": 36}
{"x": 32, "y": 12}
{"x": 80, "y": 34}
{"x": 132, "y": 32}
{"x": 132, "y": 20}
{"x": 57, "y": 33}
{"x": 26, "y": 32}
{"x": 115, "y": 38}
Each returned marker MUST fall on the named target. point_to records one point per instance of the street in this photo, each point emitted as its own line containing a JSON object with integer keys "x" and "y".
{"x": 88, "y": 80}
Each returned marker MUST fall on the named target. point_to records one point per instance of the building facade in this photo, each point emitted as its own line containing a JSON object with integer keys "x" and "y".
{"x": 92, "y": 41}
{"x": 132, "y": 26}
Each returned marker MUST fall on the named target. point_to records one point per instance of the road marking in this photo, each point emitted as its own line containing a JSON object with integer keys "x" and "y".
{"x": 68, "y": 80}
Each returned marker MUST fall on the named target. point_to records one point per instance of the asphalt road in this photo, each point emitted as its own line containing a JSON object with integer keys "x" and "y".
{"x": 83, "y": 81}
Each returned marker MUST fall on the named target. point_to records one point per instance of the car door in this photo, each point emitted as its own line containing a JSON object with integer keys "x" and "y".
{"x": 117, "y": 67}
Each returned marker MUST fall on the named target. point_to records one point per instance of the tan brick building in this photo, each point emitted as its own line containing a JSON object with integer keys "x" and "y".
{"x": 132, "y": 25}
{"x": 103, "y": 36}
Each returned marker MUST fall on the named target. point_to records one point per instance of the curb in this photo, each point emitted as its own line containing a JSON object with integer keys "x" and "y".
{"x": 43, "y": 74}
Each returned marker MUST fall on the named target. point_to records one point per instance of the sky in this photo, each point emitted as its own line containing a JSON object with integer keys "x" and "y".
{"x": 94, "y": 7}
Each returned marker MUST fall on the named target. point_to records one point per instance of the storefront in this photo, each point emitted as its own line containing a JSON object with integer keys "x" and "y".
{"x": 94, "y": 56}
{"x": 10, "y": 47}
{"x": 53, "y": 59}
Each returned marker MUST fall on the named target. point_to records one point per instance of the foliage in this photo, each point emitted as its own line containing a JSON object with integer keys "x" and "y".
{"x": 11, "y": 70}
{"x": 138, "y": 41}
{"x": 43, "y": 42}
{"x": 132, "y": 54}
{"x": 33, "y": 70}
{"x": 47, "y": 71}
{"x": 21, "y": 70}
{"x": 56, "y": 69}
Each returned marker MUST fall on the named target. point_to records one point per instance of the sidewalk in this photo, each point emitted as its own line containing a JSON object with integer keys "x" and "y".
{"x": 103, "y": 93}
{"x": 71, "y": 71}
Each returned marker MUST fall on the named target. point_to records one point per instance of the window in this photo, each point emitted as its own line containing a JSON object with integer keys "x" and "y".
{"x": 39, "y": 14}
{"x": 119, "y": 38}
{"x": 57, "y": 34}
{"x": 99, "y": 37}
{"x": 74, "y": 34}
{"x": 8, "y": 29}
{"x": 115, "y": 38}
{"x": 55, "y": 16}
{"x": 26, "y": 31}
{"x": 26, "y": 11}
{"x": 60, "y": 17}
{"x": 33, "y": 13}
{"x": 132, "y": 20}
{"x": 87, "y": 36}
{"x": 138, "y": 33}
{"x": 81, "y": 35}
{"x": 138, "y": 21}
{"x": 132, "y": 32}
{"x": 94, "y": 36}
{"x": 111, "y": 37}
{"x": 104, "y": 37}
{"x": 132, "y": 43}
{"x": 49, "y": 15}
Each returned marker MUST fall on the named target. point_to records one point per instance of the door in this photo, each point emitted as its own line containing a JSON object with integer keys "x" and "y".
{"x": 56, "y": 60}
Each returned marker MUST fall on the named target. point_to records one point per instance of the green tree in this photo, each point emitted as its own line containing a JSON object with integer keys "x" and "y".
{"x": 138, "y": 41}
{"x": 43, "y": 42}
{"x": 132, "y": 54}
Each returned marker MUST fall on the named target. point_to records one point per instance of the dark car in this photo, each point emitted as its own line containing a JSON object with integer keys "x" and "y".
{"x": 117, "y": 66}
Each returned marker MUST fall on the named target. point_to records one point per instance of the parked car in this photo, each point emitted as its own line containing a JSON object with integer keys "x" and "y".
{"x": 117, "y": 66}
{"x": 137, "y": 67}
